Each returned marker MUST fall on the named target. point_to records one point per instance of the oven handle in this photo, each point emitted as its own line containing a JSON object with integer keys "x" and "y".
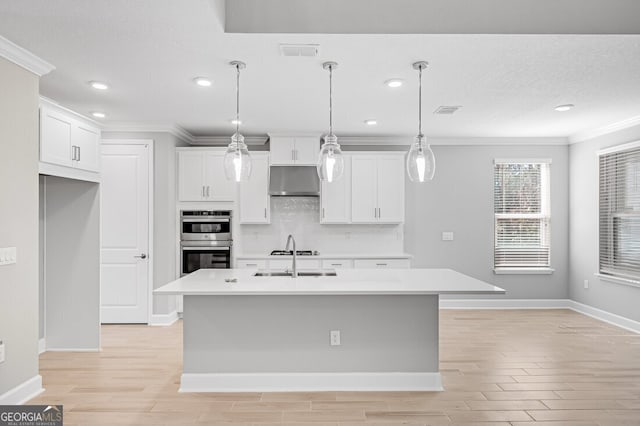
{"x": 207, "y": 248}
{"x": 217, "y": 220}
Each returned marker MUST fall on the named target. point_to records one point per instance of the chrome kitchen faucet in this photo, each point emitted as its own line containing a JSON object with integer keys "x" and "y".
{"x": 294, "y": 272}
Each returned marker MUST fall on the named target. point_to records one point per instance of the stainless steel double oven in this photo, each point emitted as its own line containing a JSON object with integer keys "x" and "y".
{"x": 205, "y": 240}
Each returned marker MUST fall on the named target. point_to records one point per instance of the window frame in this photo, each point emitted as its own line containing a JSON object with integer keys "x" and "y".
{"x": 631, "y": 280}
{"x": 545, "y": 208}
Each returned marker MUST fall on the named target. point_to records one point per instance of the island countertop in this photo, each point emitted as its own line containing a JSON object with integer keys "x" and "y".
{"x": 214, "y": 282}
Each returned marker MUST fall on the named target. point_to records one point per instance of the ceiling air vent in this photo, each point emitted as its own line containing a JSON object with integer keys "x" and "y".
{"x": 447, "y": 110}
{"x": 299, "y": 49}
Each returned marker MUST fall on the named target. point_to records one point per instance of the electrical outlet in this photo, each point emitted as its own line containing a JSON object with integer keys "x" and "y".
{"x": 8, "y": 256}
{"x": 1, "y": 352}
{"x": 447, "y": 236}
{"x": 335, "y": 337}
{"x": 586, "y": 283}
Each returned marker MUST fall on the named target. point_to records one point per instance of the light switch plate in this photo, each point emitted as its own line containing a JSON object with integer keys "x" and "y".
{"x": 8, "y": 255}
{"x": 447, "y": 236}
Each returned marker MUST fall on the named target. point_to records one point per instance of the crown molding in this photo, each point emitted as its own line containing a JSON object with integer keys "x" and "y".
{"x": 408, "y": 140}
{"x": 48, "y": 101}
{"x": 224, "y": 140}
{"x": 604, "y": 130}
{"x": 173, "y": 129}
{"x": 22, "y": 57}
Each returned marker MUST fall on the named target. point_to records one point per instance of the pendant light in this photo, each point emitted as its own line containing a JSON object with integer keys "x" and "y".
{"x": 331, "y": 160}
{"x": 421, "y": 163}
{"x": 237, "y": 161}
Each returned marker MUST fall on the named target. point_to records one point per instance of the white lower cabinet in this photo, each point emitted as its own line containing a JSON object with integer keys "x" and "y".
{"x": 337, "y": 263}
{"x": 251, "y": 264}
{"x": 382, "y": 263}
{"x": 281, "y": 264}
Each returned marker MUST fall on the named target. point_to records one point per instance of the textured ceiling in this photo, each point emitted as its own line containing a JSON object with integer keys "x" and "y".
{"x": 149, "y": 51}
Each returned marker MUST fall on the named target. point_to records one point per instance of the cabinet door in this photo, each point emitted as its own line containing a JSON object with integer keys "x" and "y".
{"x": 87, "y": 139}
{"x": 282, "y": 150}
{"x": 217, "y": 187}
{"x": 363, "y": 189}
{"x": 335, "y": 197}
{"x": 382, "y": 263}
{"x": 391, "y": 189}
{"x": 191, "y": 185}
{"x": 254, "y": 194}
{"x": 306, "y": 151}
{"x": 55, "y": 137}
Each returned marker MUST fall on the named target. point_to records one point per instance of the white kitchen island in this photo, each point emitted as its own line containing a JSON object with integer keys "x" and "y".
{"x": 244, "y": 333}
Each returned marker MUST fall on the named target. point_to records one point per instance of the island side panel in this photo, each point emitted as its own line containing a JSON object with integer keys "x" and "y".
{"x": 291, "y": 334}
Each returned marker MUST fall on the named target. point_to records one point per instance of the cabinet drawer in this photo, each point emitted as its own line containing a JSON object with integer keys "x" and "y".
{"x": 251, "y": 264}
{"x": 382, "y": 263}
{"x": 281, "y": 264}
{"x": 337, "y": 263}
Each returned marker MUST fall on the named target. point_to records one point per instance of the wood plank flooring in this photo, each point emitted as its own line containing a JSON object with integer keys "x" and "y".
{"x": 499, "y": 367}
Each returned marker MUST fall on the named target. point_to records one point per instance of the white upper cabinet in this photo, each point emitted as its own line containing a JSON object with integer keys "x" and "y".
{"x": 67, "y": 140}
{"x": 191, "y": 185}
{"x": 391, "y": 189}
{"x": 201, "y": 176}
{"x": 335, "y": 197}
{"x": 254, "y": 194}
{"x": 294, "y": 150}
{"x": 218, "y": 188}
{"x": 377, "y": 188}
{"x": 364, "y": 189}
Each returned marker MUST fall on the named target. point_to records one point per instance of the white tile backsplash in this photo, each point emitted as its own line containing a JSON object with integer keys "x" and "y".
{"x": 300, "y": 216}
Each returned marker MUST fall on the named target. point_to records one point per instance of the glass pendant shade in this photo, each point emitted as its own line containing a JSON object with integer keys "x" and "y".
{"x": 331, "y": 160}
{"x": 237, "y": 162}
{"x": 421, "y": 163}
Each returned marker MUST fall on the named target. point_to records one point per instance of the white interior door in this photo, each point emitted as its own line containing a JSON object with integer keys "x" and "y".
{"x": 124, "y": 289}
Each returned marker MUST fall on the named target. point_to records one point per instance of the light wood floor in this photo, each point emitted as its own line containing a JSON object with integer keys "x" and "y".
{"x": 551, "y": 367}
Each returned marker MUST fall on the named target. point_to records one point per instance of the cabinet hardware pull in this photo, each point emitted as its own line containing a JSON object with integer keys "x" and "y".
{"x": 203, "y": 191}
{"x": 142, "y": 256}
{"x": 381, "y": 264}
{"x": 323, "y": 212}
{"x": 79, "y": 152}
{"x": 265, "y": 212}
{"x": 292, "y": 156}
{"x": 208, "y": 188}
{"x": 336, "y": 264}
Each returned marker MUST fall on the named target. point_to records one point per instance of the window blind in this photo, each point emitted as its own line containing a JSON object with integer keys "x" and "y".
{"x": 522, "y": 214}
{"x": 619, "y": 208}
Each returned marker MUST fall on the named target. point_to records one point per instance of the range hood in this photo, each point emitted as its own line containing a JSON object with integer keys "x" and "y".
{"x": 294, "y": 181}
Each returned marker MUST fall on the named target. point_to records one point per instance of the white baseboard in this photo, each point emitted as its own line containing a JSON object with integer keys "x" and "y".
{"x": 307, "y": 382}
{"x": 504, "y": 303}
{"x": 617, "y": 320}
{"x": 42, "y": 346}
{"x": 163, "y": 319}
{"x": 23, "y": 392}
{"x": 608, "y": 317}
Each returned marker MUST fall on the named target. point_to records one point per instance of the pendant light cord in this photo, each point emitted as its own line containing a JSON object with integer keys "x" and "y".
{"x": 331, "y": 100}
{"x": 420, "y": 102}
{"x": 237, "y": 98}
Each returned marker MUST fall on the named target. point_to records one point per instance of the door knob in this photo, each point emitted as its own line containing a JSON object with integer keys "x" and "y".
{"x": 142, "y": 256}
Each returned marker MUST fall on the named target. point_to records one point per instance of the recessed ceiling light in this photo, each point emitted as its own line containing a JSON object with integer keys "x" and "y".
{"x": 234, "y": 121}
{"x": 394, "y": 82}
{"x": 563, "y": 108}
{"x": 202, "y": 81}
{"x": 99, "y": 114}
{"x": 371, "y": 122}
{"x": 98, "y": 85}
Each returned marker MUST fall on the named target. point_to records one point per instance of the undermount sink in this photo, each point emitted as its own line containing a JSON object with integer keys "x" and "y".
{"x": 322, "y": 273}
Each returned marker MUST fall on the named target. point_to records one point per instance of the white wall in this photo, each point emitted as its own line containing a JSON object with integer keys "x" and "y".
{"x": 19, "y": 223}
{"x": 300, "y": 216}
{"x": 460, "y": 199}
{"x": 164, "y": 210}
{"x": 583, "y": 256}
{"x": 72, "y": 264}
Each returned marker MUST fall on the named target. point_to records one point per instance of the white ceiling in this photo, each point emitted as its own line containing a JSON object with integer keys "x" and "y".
{"x": 149, "y": 51}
